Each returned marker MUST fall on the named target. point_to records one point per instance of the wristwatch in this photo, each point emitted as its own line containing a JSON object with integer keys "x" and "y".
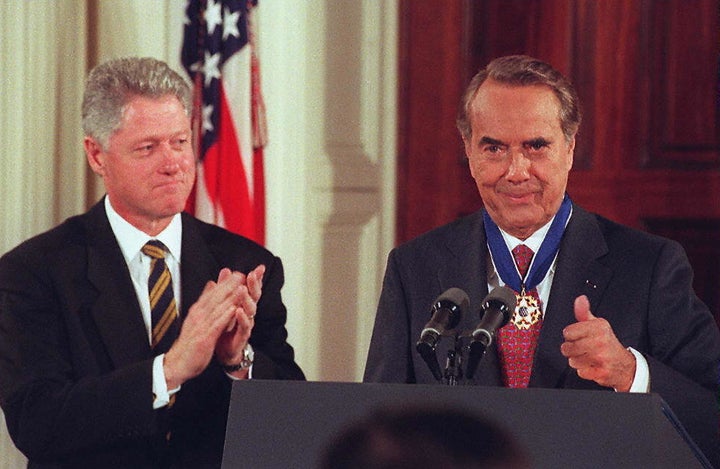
{"x": 245, "y": 363}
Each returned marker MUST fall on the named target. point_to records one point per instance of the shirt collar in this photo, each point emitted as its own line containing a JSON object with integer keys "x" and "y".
{"x": 533, "y": 242}
{"x": 131, "y": 240}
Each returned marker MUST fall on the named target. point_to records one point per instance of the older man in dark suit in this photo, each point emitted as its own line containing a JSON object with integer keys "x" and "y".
{"x": 599, "y": 305}
{"x": 122, "y": 330}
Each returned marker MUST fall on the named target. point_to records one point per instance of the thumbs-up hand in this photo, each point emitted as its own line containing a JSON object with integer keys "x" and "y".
{"x": 592, "y": 348}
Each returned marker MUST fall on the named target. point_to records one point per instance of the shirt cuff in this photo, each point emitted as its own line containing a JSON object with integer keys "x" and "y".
{"x": 161, "y": 394}
{"x": 641, "y": 382}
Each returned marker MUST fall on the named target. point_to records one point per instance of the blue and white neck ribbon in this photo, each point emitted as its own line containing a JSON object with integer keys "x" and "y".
{"x": 503, "y": 259}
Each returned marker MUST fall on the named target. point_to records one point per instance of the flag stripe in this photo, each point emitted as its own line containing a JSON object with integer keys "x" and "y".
{"x": 229, "y": 117}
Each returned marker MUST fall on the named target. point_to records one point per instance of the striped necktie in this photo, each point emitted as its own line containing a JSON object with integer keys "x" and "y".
{"x": 163, "y": 309}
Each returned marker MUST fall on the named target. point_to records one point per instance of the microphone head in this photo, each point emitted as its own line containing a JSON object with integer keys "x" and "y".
{"x": 452, "y": 302}
{"x": 455, "y": 296}
{"x": 496, "y": 310}
{"x": 504, "y": 299}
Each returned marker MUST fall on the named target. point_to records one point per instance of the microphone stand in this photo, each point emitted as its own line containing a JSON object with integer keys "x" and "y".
{"x": 453, "y": 365}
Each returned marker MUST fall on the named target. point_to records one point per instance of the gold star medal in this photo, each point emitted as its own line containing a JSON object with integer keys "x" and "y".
{"x": 527, "y": 311}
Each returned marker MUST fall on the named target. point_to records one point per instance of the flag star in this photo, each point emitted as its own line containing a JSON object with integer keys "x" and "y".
{"x": 207, "y": 125}
{"x": 213, "y": 16}
{"x": 212, "y": 67}
{"x": 230, "y": 24}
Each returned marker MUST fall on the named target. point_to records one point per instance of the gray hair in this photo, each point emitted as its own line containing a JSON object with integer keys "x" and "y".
{"x": 112, "y": 84}
{"x": 521, "y": 70}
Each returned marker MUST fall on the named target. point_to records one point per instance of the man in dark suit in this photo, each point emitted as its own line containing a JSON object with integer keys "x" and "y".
{"x": 602, "y": 306}
{"x": 90, "y": 375}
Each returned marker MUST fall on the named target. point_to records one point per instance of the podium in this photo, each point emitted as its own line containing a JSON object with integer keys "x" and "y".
{"x": 278, "y": 424}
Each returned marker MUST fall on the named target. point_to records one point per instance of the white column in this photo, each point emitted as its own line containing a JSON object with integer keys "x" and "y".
{"x": 329, "y": 79}
{"x": 42, "y": 167}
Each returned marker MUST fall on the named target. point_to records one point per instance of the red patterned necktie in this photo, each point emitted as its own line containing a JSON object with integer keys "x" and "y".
{"x": 517, "y": 340}
{"x": 163, "y": 309}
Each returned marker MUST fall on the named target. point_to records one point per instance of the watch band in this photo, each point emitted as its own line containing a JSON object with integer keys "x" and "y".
{"x": 245, "y": 363}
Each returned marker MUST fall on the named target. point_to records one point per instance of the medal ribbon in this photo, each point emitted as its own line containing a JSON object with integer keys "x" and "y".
{"x": 543, "y": 258}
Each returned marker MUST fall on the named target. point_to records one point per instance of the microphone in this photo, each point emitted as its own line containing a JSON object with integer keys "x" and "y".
{"x": 495, "y": 312}
{"x": 445, "y": 316}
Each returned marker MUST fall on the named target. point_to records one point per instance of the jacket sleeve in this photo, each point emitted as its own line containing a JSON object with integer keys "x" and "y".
{"x": 684, "y": 349}
{"x": 274, "y": 357}
{"x": 53, "y": 405}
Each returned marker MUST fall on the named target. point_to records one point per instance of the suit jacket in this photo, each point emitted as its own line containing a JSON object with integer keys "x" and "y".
{"x": 75, "y": 363}
{"x": 640, "y": 283}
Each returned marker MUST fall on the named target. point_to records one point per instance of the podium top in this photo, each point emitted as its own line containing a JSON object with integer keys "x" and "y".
{"x": 275, "y": 424}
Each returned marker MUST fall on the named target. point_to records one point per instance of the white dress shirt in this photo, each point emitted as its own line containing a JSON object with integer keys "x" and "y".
{"x": 131, "y": 241}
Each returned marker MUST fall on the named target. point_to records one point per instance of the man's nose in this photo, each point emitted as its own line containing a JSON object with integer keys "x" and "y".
{"x": 171, "y": 158}
{"x": 519, "y": 167}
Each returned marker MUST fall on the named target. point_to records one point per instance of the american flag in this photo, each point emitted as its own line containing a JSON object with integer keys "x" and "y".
{"x": 229, "y": 117}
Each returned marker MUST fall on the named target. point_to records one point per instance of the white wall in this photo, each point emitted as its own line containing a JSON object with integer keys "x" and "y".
{"x": 329, "y": 80}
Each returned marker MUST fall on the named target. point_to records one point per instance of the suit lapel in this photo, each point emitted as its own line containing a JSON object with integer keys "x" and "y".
{"x": 115, "y": 310}
{"x": 577, "y": 272}
{"x": 466, "y": 268}
{"x": 197, "y": 266}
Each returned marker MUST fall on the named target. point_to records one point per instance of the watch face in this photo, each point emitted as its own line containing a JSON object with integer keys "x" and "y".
{"x": 246, "y": 362}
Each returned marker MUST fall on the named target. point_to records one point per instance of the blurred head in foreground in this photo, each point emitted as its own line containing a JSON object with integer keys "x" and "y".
{"x": 419, "y": 437}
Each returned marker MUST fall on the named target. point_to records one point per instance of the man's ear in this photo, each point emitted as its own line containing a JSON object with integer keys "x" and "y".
{"x": 95, "y": 155}
{"x": 467, "y": 144}
{"x": 571, "y": 153}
